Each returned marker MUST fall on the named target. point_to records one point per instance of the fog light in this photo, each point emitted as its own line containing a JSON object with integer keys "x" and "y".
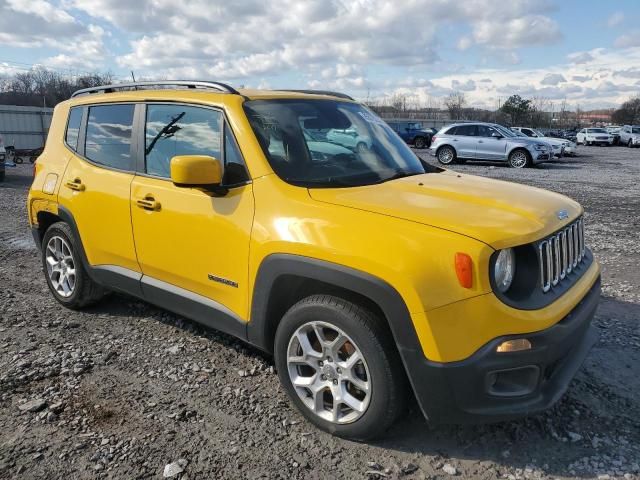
{"x": 514, "y": 345}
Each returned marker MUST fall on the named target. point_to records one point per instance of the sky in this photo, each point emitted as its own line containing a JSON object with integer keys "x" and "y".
{"x": 584, "y": 52}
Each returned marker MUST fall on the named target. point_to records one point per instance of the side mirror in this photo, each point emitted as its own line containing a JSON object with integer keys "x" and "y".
{"x": 497, "y": 136}
{"x": 196, "y": 171}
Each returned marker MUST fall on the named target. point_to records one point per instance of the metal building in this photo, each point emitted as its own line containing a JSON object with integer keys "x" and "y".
{"x": 24, "y": 127}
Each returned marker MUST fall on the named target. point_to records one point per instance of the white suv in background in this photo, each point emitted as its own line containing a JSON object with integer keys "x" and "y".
{"x": 560, "y": 146}
{"x": 630, "y": 136}
{"x": 594, "y": 136}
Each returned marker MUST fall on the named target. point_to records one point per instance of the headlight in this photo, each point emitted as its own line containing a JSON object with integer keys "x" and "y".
{"x": 504, "y": 269}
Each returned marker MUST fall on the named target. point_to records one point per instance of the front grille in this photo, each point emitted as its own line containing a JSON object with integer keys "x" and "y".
{"x": 560, "y": 254}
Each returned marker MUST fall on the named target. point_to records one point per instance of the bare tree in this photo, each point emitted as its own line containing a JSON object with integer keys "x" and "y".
{"x": 455, "y": 103}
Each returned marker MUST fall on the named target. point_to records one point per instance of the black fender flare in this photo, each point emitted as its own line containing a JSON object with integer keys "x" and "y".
{"x": 375, "y": 289}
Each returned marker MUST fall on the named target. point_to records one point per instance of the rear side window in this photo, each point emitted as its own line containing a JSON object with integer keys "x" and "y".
{"x": 466, "y": 130}
{"x": 186, "y": 130}
{"x": 109, "y": 135}
{"x": 73, "y": 127}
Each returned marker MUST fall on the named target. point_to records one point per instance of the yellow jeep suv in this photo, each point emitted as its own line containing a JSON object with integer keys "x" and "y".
{"x": 299, "y": 222}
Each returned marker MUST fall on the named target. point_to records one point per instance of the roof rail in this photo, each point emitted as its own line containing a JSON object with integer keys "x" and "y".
{"x": 221, "y": 87}
{"x": 320, "y": 92}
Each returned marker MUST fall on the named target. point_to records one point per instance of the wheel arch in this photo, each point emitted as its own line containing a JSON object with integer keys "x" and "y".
{"x": 283, "y": 279}
{"x": 446, "y": 145}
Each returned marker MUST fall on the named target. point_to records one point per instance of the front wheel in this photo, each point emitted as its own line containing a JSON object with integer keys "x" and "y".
{"x": 338, "y": 364}
{"x": 420, "y": 143}
{"x": 446, "y": 155}
{"x": 64, "y": 272}
{"x": 519, "y": 159}
{"x": 630, "y": 144}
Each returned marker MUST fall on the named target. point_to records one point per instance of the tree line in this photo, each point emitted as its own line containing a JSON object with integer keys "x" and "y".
{"x": 40, "y": 87}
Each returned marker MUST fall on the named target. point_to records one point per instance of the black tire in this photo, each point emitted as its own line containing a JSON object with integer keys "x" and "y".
{"x": 2, "y": 174}
{"x": 446, "y": 155}
{"x": 515, "y": 158}
{"x": 32, "y": 159}
{"x": 85, "y": 291}
{"x": 388, "y": 392}
{"x": 18, "y": 160}
{"x": 630, "y": 143}
{"x": 420, "y": 143}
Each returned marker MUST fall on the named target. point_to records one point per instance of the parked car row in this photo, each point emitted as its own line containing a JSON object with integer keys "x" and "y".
{"x": 560, "y": 147}
{"x": 630, "y": 136}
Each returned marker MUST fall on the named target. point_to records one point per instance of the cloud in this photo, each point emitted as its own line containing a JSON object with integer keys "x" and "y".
{"x": 615, "y": 19}
{"x": 580, "y": 57}
{"x": 517, "y": 32}
{"x": 37, "y": 23}
{"x": 553, "y": 79}
{"x": 631, "y": 39}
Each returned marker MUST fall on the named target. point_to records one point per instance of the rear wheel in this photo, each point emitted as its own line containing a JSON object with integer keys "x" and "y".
{"x": 446, "y": 155}
{"x": 64, "y": 272}
{"x": 519, "y": 159}
{"x": 420, "y": 142}
{"x": 338, "y": 364}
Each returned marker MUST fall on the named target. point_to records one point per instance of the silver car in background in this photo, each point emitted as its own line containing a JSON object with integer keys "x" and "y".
{"x": 460, "y": 142}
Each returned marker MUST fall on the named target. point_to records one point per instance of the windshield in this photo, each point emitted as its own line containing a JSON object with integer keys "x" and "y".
{"x": 596, "y": 130}
{"x": 326, "y": 143}
{"x": 518, "y": 133}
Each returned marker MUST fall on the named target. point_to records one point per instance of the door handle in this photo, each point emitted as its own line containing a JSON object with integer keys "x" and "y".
{"x": 148, "y": 203}
{"x": 75, "y": 184}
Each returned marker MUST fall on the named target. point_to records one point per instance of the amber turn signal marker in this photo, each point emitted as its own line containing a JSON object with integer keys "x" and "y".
{"x": 514, "y": 345}
{"x": 464, "y": 269}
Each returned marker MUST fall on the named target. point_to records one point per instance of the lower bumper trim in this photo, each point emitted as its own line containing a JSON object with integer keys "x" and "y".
{"x": 491, "y": 386}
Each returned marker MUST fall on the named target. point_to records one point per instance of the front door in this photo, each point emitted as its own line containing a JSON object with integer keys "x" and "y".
{"x": 191, "y": 238}
{"x": 491, "y": 144}
{"x": 96, "y": 183}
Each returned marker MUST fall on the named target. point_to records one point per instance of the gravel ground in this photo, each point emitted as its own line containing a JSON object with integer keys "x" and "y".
{"x": 126, "y": 390}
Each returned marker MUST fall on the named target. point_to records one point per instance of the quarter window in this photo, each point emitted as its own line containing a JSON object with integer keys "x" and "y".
{"x": 109, "y": 135}
{"x": 73, "y": 127}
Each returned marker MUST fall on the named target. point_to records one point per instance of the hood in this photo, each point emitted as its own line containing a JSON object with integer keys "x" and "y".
{"x": 498, "y": 213}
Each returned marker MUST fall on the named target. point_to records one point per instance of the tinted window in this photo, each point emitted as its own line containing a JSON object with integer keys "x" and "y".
{"x": 180, "y": 130}
{"x": 451, "y": 131}
{"x": 109, "y": 135}
{"x": 484, "y": 131}
{"x": 73, "y": 127}
{"x": 234, "y": 169}
{"x": 467, "y": 130}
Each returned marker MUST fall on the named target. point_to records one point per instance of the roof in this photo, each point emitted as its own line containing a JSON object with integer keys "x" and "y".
{"x": 170, "y": 87}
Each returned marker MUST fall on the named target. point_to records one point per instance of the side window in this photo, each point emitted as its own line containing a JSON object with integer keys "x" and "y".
{"x": 466, "y": 130}
{"x": 187, "y": 130}
{"x": 527, "y": 132}
{"x": 451, "y": 131}
{"x": 109, "y": 135}
{"x": 484, "y": 131}
{"x": 180, "y": 130}
{"x": 73, "y": 127}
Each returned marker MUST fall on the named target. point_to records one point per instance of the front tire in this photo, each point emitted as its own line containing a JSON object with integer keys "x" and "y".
{"x": 446, "y": 155}
{"x": 519, "y": 159}
{"x": 339, "y": 366}
{"x": 420, "y": 143}
{"x": 630, "y": 143}
{"x": 66, "y": 277}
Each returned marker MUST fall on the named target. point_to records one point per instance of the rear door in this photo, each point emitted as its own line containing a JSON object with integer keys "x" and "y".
{"x": 96, "y": 183}
{"x": 465, "y": 141}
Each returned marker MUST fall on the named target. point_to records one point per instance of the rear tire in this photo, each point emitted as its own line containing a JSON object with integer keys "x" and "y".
{"x": 322, "y": 343}
{"x": 446, "y": 155}
{"x": 420, "y": 143}
{"x": 519, "y": 158}
{"x": 2, "y": 174}
{"x": 64, "y": 272}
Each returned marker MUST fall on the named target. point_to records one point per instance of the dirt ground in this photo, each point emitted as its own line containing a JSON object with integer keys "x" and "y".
{"x": 125, "y": 390}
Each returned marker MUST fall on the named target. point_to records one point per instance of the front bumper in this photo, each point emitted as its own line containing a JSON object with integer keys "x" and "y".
{"x": 491, "y": 386}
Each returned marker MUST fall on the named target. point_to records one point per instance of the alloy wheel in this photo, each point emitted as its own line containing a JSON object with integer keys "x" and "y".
{"x": 61, "y": 267}
{"x": 518, "y": 159}
{"x": 445, "y": 155}
{"x": 329, "y": 372}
